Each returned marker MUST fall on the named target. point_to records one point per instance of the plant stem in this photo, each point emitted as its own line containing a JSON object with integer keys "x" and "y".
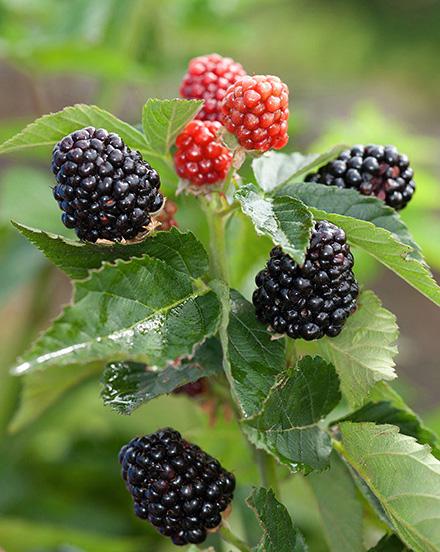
{"x": 267, "y": 468}
{"x": 229, "y": 209}
{"x": 291, "y": 354}
{"x": 217, "y": 220}
{"x": 228, "y": 536}
{"x": 217, "y": 242}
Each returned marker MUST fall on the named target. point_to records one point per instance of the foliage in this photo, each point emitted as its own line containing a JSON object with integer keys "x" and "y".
{"x": 287, "y": 400}
{"x": 137, "y": 308}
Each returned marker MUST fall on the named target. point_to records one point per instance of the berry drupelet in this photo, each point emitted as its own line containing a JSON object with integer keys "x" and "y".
{"x": 166, "y": 216}
{"x": 256, "y": 110}
{"x": 201, "y": 157}
{"x": 372, "y": 170}
{"x": 193, "y": 389}
{"x": 175, "y": 485}
{"x": 314, "y": 299}
{"x": 207, "y": 79}
{"x": 105, "y": 190}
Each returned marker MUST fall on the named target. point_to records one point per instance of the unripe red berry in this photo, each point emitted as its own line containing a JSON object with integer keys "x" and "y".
{"x": 166, "y": 216}
{"x": 256, "y": 110}
{"x": 207, "y": 79}
{"x": 201, "y": 157}
{"x": 194, "y": 388}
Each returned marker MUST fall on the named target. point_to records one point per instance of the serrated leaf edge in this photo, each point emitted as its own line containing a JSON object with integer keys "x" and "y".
{"x": 297, "y": 256}
{"x": 6, "y": 146}
{"x": 79, "y": 244}
{"x": 387, "y": 428}
{"x": 25, "y": 366}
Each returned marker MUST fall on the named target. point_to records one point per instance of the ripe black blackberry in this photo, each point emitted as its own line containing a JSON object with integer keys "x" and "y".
{"x": 314, "y": 299}
{"x": 105, "y": 190}
{"x": 175, "y": 485}
{"x": 372, "y": 170}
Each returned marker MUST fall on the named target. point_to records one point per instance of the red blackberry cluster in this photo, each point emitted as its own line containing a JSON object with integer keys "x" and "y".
{"x": 256, "y": 110}
{"x": 193, "y": 389}
{"x": 166, "y": 216}
{"x": 314, "y": 299}
{"x": 201, "y": 157}
{"x": 372, "y": 170}
{"x": 175, "y": 485}
{"x": 105, "y": 190}
{"x": 207, "y": 79}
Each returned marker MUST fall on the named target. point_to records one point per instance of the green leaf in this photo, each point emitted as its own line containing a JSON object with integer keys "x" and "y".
{"x": 274, "y": 169}
{"x": 363, "y": 352}
{"x": 182, "y": 251}
{"x": 387, "y": 407}
{"x": 288, "y": 422}
{"x": 382, "y": 245}
{"x": 389, "y": 543}
{"x": 279, "y": 533}
{"x": 371, "y": 498}
{"x": 351, "y": 203}
{"x": 339, "y": 506}
{"x": 49, "y": 129}
{"x": 128, "y": 385}
{"x": 403, "y": 475}
{"x": 255, "y": 359}
{"x": 285, "y": 220}
{"x": 142, "y": 310}
{"x": 42, "y": 388}
{"x": 162, "y": 121}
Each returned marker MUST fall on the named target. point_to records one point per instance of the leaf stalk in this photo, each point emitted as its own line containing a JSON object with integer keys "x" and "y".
{"x": 228, "y": 536}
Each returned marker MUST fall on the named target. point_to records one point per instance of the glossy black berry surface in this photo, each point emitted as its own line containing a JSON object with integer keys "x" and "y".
{"x": 175, "y": 485}
{"x": 314, "y": 299}
{"x": 372, "y": 170}
{"x": 105, "y": 190}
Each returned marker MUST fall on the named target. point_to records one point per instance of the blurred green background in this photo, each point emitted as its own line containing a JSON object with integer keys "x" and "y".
{"x": 357, "y": 71}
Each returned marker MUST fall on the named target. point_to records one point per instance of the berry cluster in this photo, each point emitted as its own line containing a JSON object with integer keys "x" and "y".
{"x": 193, "y": 389}
{"x": 201, "y": 157}
{"x": 372, "y": 170}
{"x": 105, "y": 190}
{"x": 175, "y": 485}
{"x": 207, "y": 79}
{"x": 314, "y": 299}
{"x": 256, "y": 110}
{"x": 166, "y": 216}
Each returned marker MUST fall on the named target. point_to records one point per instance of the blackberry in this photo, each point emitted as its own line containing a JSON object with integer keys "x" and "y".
{"x": 193, "y": 389}
{"x": 372, "y": 170}
{"x": 314, "y": 299}
{"x": 166, "y": 216}
{"x": 175, "y": 485}
{"x": 105, "y": 190}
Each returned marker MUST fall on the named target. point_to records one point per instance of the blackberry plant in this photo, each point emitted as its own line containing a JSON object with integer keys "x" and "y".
{"x": 304, "y": 367}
